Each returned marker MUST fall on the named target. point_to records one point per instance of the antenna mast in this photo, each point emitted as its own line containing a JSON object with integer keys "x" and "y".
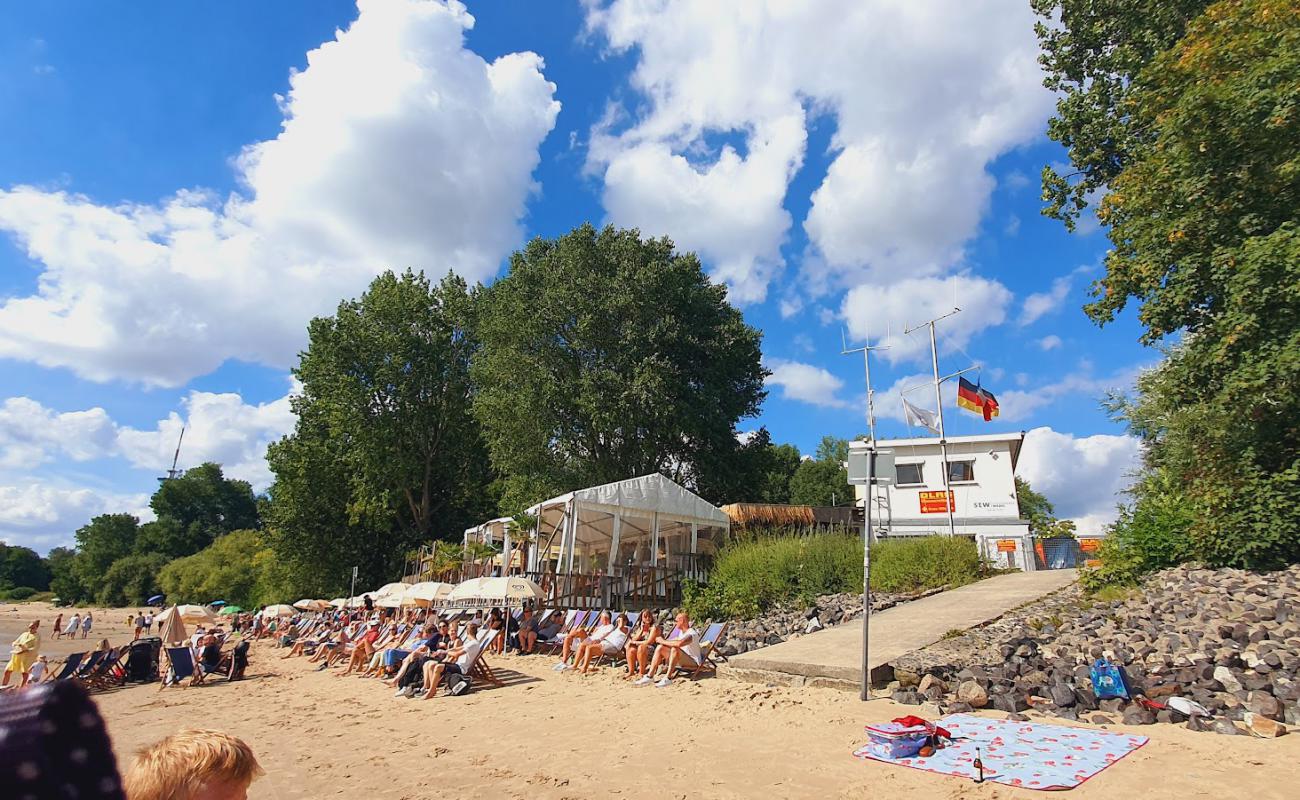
{"x": 174, "y": 473}
{"x": 949, "y": 498}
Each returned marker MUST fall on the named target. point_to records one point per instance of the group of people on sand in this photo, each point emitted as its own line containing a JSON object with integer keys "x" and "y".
{"x": 78, "y": 624}
{"x": 645, "y": 648}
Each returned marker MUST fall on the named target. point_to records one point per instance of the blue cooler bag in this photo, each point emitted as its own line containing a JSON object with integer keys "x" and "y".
{"x": 1108, "y": 680}
{"x": 892, "y": 740}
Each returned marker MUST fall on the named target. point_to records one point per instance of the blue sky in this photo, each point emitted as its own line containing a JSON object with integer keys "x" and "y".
{"x": 183, "y": 187}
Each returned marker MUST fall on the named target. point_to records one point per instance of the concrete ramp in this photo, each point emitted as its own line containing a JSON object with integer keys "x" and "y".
{"x": 833, "y": 657}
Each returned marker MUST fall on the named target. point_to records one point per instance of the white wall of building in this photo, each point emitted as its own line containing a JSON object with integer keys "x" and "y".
{"x": 984, "y": 500}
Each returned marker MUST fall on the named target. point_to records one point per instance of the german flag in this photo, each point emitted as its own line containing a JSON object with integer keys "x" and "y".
{"x": 975, "y": 398}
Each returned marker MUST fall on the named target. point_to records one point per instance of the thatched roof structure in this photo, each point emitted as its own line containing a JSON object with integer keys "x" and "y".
{"x": 791, "y": 516}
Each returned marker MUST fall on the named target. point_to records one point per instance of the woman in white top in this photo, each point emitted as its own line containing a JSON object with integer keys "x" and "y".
{"x": 606, "y": 640}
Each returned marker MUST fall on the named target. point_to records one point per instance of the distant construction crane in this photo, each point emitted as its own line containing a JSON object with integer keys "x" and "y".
{"x": 174, "y": 473}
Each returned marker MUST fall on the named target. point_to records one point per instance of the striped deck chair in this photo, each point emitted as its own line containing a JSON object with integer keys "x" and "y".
{"x": 110, "y": 672}
{"x": 709, "y": 642}
{"x": 70, "y": 666}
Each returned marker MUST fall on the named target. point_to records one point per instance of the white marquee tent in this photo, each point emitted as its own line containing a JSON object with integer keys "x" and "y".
{"x": 646, "y": 520}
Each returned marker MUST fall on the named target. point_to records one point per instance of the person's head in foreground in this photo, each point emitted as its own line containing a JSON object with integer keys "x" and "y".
{"x": 193, "y": 765}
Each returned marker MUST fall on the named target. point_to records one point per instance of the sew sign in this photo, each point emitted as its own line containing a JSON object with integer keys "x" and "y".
{"x": 933, "y": 502}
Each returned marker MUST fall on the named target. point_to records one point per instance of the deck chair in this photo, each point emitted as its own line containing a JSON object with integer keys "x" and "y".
{"x": 478, "y": 668}
{"x": 109, "y": 672}
{"x": 234, "y": 663}
{"x": 181, "y": 661}
{"x": 88, "y": 664}
{"x": 70, "y": 666}
{"x": 709, "y": 642}
{"x": 574, "y": 619}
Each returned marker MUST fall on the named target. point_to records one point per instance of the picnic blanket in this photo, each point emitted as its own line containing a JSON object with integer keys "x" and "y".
{"x": 1030, "y": 755}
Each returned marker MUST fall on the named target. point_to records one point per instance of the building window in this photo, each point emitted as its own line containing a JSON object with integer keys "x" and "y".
{"x": 961, "y": 471}
{"x": 909, "y": 474}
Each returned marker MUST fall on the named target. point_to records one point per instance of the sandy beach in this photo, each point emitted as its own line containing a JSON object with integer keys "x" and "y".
{"x": 549, "y": 735}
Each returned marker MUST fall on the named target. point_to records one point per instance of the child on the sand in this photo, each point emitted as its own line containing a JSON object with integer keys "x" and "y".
{"x": 193, "y": 764}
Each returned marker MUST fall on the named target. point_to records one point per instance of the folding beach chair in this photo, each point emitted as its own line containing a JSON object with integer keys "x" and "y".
{"x": 94, "y": 677}
{"x": 181, "y": 666}
{"x": 70, "y": 666}
{"x": 234, "y": 663}
{"x": 88, "y": 664}
{"x": 709, "y": 642}
{"x": 478, "y": 668}
{"x": 575, "y": 619}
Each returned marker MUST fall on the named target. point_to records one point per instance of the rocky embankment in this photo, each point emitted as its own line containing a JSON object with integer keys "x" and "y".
{"x": 790, "y": 621}
{"x": 1229, "y": 640}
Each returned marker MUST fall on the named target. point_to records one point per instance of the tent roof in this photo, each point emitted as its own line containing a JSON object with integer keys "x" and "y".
{"x": 499, "y": 522}
{"x": 647, "y": 494}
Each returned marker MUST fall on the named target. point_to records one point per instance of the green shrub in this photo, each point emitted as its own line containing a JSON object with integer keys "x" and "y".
{"x": 751, "y": 576}
{"x": 1153, "y": 533}
{"x": 19, "y": 593}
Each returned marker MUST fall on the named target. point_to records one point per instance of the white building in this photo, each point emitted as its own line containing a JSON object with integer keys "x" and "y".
{"x": 982, "y": 487}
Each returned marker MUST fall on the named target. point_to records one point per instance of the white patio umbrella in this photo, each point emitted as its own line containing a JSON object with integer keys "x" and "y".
{"x": 196, "y": 614}
{"x": 280, "y": 610}
{"x": 467, "y": 590}
{"x": 305, "y": 605}
{"x": 510, "y": 590}
{"x": 389, "y": 590}
{"x": 389, "y": 601}
{"x": 426, "y": 594}
{"x": 339, "y": 602}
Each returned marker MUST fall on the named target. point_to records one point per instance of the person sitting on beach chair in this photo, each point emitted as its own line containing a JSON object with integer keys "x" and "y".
{"x": 576, "y": 636}
{"x": 606, "y": 640}
{"x": 527, "y": 636}
{"x": 412, "y": 668}
{"x": 210, "y": 654}
{"x": 550, "y": 627}
{"x": 458, "y": 661}
{"x": 681, "y": 648}
{"x": 364, "y": 648}
{"x": 641, "y": 645}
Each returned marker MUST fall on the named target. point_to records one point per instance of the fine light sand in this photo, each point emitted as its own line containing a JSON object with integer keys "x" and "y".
{"x": 549, "y": 735}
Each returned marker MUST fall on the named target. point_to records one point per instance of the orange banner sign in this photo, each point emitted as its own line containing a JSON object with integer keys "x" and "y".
{"x": 1089, "y": 545}
{"x": 1006, "y": 545}
{"x": 932, "y": 502}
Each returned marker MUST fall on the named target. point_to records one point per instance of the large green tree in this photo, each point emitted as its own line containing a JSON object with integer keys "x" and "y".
{"x": 386, "y": 453}
{"x": 1203, "y": 212}
{"x": 130, "y": 580}
{"x": 22, "y": 566}
{"x": 230, "y": 569}
{"x": 1092, "y": 54}
{"x": 204, "y": 504}
{"x": 103, "y": 540}
{"x": 607, "y": 356}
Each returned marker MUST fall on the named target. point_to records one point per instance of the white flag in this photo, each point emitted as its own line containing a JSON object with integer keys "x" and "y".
{"x": 919, "y": 416}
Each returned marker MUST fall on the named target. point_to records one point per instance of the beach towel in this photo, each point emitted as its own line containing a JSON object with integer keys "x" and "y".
{"x": 1029, "y": 755}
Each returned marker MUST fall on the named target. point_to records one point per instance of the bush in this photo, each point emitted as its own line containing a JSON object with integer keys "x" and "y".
{"x": 751, "y": 576}
{"x": 130, "y": 580}
{"x": 1153, "y": 533}
{"x": 237, "y": 567}
{"x": 18, "y": 593}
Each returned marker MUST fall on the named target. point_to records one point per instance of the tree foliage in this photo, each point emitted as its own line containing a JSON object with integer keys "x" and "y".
{"x": 606, "y": 356}
{"x": 386, "y": 453}
{"x": 1092, "y": 53}
{"x": 201, "y": 505}
{"x": 824, "y": 480}
{"x": 234, "y": 568}
{"x": 130, "y": 580}
{"x": 22, "y": 566}
{"x": 1204, "y": 217}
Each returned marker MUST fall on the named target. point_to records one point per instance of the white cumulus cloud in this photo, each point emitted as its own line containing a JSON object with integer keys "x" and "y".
{"x": 806, "y": 383}
{"x": 923, "y": 96}
{"x": 41, "y": 516}
{"x": 399, "y": 148}
{"x": 218, "y": 427}
{"x": 884, "y": 311}
{"x": 1083, "y": 476}
{"x": 1050, "y": 342}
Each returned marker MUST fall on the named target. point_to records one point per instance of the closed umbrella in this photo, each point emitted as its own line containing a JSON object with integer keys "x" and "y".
{"x": 173, "y": 626}
{"x": 279, "y": 610}
{"x": 217, "y": 603}
{"x": 155, "y": 599}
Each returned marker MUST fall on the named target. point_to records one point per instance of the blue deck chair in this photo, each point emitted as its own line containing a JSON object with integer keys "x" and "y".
{"x": 181, "y": 662}
{"x": 70, "y": 666}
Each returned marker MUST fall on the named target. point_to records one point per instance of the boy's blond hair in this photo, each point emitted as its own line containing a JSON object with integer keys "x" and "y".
{"x": 178, "y": 767}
